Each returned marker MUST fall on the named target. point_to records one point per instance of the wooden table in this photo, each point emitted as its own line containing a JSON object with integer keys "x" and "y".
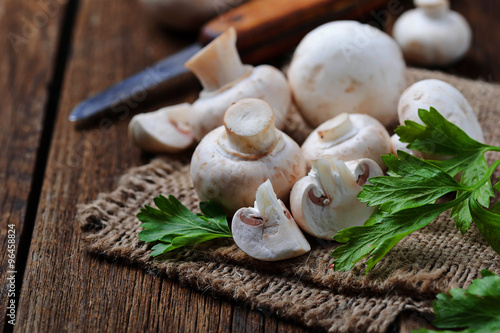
{"x": 54, "y": 54}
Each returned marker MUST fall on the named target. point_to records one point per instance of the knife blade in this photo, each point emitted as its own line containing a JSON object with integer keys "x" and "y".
{"x": 265, "y": 30}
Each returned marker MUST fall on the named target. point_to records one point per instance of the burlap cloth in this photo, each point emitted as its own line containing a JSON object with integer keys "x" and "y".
{"x": 304, "y": 289}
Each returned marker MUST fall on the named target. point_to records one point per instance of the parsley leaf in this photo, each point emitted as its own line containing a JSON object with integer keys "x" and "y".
{"x": 406, "y": 197}
{"x": 380, "y": 233}
{"x": 174, "y": 226}
{"x": 476, "y": 309}
{"x": 419, "y": 183}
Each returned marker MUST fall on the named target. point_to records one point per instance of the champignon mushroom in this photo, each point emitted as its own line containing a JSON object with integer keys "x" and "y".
{"x": 443, "y": 97}
{"x": 233, "y": 160}
{"x": 432, "y": 34}
{"x": 324, "y": 202}
{"x": 165, "y": 130}
{"x": 267, "y": 231}
{"x": 348, "y": 137}
{"x": 186, "y": 15}
{"x": 346, "y": 66}
{"x": 225, "y": 80}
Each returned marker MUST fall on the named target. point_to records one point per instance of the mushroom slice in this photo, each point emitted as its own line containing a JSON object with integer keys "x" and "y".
{"x": 267, "y": 231}
{"x": 324, "y": 202}
{"x": 165, "y": 130}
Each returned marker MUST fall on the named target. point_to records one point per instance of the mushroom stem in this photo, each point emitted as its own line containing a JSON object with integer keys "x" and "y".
{"x": 218, "y": 63}
{"x": 339, "y": 127}
{"x": 250, "y": 127}
{"x": 433, "y": 8}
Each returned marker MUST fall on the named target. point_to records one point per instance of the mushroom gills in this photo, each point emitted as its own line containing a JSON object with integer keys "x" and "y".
{"x": 165, "y": 130}
{"x": 267, "y": 231}
{"x": 324, "y": 202}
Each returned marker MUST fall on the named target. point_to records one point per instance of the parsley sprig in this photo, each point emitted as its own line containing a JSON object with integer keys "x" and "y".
{"x": 173, "y": 225}
{"x": 476, "y": 309}
{"x": 406, "y": 198}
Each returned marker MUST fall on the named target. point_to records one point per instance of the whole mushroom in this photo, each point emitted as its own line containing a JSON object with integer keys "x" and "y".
{"x": 267, "y": 231}
{"x": 443, "y": 97}
{"x": 186, "y": 15}
{"x": 232, "y": 161}
{"x": 225, "y": 80}
{"x": 346, "y": 66}
{"x": 432, "y": 34}
{"x": 348, "y": 137}
{"x": 324, "y": 202}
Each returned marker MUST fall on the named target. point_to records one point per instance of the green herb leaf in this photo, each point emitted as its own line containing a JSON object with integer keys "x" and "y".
{"x": 417, "y": 183}
{"x": 406, "y": 197}
{"x": 487, "y": 222}
{"x": 439, "y": 136}
{"x": 476, "y": 309}
{"x": 175, "y": 226}
{"x": 379, "y": 234}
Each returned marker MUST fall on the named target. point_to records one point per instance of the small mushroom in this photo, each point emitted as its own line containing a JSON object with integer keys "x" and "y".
{"x": 186, "y": 15}
{"x": 225, "y": 80}
{"x": 346, "y": 66}
{"x": 324, "y": 202}
{"x": 348, "y": 137}
{"x": 443, "y": 97}
{"x": 432, "y": 34}
{"x": 232, "y": 161}
{"x": 267, "y": 231}
{"x": 165, "y": 130}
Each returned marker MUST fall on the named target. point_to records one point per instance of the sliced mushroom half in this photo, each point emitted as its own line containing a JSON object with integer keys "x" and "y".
{"x": 324, "y": 202}
{"x": 267, "y": 231}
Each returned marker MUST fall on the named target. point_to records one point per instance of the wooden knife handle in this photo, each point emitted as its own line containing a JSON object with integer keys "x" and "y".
{"x": 268, "y": 28}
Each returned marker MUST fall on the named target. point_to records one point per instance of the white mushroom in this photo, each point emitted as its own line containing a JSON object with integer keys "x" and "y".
{"x": 396, "y": 145}
{"x": 432, "y": 34}
{"x": 165, "y": 130}
{"x": 186, "y": 14}
{"x": 443, "y": 97}
{"x": 324, "y": 202}
{"x": 348, "y": 137}
{"x": 346, "y": 66}
{"x": 233, "y": 160}
{"x": 225, "y": 80}
{"x": 268, "y": 231}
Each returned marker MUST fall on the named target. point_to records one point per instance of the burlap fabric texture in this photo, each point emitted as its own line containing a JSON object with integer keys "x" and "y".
{"x": 303, "y": 289}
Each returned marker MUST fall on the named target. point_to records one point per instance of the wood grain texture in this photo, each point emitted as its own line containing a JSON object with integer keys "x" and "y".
{"x": 65, "y": 289}
{"x": 28, "y": 46}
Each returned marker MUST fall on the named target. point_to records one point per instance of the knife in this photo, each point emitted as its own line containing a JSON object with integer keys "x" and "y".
{"x": 265, "y": 29}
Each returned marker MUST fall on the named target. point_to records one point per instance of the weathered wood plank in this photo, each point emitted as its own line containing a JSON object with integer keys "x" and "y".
{"x": 29, "y": 32}
{"x": 66, "y": 289}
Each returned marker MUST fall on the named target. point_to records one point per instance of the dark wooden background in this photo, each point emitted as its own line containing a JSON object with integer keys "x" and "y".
{"x": 54, "y": 53}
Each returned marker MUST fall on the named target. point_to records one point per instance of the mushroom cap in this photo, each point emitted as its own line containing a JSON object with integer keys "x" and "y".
{"x": 348, "y": 137}
{"x": 267, "y": 231}
{"x": 324, "y": 202}
{"x": 431, "y": 34}
{"x": 264, "y": 82}
{"x": 443, "y": 97}
{"x": 346, "y": 66}
{"x": 162, "y": 131}
{"x": 232, "y": 161}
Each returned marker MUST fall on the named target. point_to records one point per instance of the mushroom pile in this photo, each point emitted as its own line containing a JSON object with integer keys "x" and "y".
{"x": 347, "y": 79}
